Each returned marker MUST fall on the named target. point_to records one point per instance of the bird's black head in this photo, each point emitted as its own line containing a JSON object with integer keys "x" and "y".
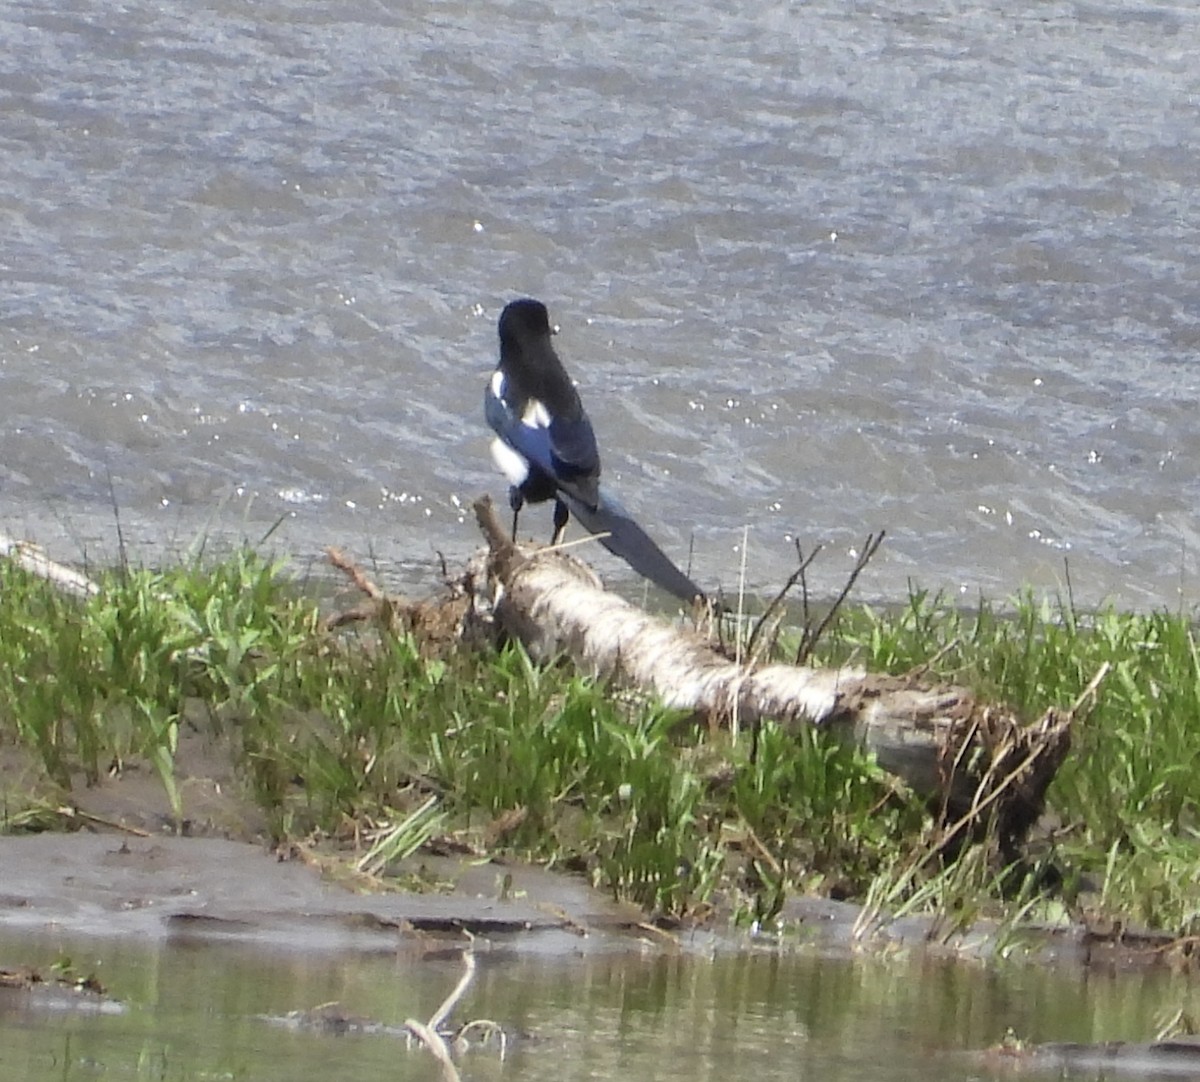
{"x": 522, "y": 320}
{"x": 529, "y": 362}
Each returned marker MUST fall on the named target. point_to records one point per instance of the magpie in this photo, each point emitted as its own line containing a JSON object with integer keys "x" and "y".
{"x": 546, "y": 447}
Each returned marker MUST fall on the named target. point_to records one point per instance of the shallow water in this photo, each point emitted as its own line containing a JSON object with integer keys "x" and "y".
{"x": 819, "y": 269}
{"x": 203, "y": 1012}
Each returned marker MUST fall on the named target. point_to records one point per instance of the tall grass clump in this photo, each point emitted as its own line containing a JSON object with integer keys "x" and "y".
{"x": 89, "y": 684}
{"x": 335, "y": 734}
{"x": 1122, "y": 828}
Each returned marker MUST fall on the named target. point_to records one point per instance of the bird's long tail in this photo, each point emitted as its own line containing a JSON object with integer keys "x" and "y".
{"x": 623, "y": 537}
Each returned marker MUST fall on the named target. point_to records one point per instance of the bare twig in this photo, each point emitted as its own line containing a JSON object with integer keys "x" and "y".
{"x": 436, "y": 1044}
{"x": 1092, "y": 686}
{"x": 805, "y": 611}
{"x": 767, "y": 856}
{"x": 920, "y": 670}
{"x": 776, "y": 604}
{"x": 67, "y": 811}
{"x": 429, "y": 1033}
{"x": 451, "y": 1001}
{"x": 354, "y": 573}
{"x": 808, "y": 642}
{"x": 564, "y": 546}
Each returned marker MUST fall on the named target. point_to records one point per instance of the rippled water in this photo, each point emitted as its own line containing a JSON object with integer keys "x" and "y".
{"x": 819, "y": 268}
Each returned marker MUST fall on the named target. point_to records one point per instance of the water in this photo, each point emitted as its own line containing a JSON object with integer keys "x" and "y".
{"x": 202, "y": 1012}
{"x": 819, "y": 268}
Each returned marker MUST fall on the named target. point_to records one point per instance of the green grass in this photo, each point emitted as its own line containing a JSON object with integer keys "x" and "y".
{"x": 335, "y": 733}
{"x": 1127, "y": 795}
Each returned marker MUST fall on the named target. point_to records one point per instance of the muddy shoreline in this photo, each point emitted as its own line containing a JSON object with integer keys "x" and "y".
{"x": 119, "y": 864}
{"x": 215, "y": 889}
{"x": 219, "y": 890}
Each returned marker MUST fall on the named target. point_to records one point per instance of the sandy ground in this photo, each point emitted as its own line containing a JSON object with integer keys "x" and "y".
{"x": 126, "y": 871}
{"x": 210, "y": 888}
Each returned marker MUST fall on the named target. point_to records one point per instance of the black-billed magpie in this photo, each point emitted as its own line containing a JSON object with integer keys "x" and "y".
{"x": 546, "y": 448}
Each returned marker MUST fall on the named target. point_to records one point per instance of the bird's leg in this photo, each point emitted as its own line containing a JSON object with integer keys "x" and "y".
{"x": 561, "y": 515}
{"x": 516, "y": 501}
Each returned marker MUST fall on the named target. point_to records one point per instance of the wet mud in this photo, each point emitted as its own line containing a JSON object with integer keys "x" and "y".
{"x": 215, "y": 889}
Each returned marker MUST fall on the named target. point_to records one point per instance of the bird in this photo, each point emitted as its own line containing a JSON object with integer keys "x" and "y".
{"x": 546, "y": 447}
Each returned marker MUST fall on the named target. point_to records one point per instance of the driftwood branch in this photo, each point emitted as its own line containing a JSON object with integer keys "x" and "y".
{"x": 440, "y": 1041}
{"x": 971, "y": 757}
{"x": 29, "y": 557}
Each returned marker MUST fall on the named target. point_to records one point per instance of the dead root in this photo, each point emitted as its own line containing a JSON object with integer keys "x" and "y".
{"x": 438, "y": 624}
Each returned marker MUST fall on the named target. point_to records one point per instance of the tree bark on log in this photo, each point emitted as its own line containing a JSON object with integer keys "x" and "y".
{"x": 29, "y": 557}
{"x": 975, "y": 760}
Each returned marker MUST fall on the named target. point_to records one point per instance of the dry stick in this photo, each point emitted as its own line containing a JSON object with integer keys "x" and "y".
{"x": 355, "y": 573}
{"x": 805, "y": 612}
{"x": 920, "y": 670}
{"x": 777, "y": 601}
{"x": 1070, "y": 588}
{"x": 977, "y": 809}
{"x": 766, "y": 854}
{"x": 378, "y": 600}
{"x": 484, "y": 1025}
{"x": 734, "y": 719}
{"x": 809, "y": 642}
{"x": 741, "y": 606}
{"x": 1094, "y": 683}
{"x": 964, "y": 745}
{"x": 451, "y": 1001}
{"x": 68, "y": 812}
{"x": 436, "y": 1044}
{"x": 587, "y": 539}
{"x": 756, "y": 651}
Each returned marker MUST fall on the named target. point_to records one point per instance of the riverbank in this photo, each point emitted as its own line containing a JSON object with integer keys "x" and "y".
{"x": 219, "y": 700}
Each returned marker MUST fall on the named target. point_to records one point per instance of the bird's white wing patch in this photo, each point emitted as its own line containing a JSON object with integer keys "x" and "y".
{"x": 511, "y": 463}
{"x": 536, "y": 415}
{"x": 498, "y": 384}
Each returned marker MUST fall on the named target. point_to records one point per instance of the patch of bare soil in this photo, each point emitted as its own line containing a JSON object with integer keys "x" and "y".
{"x": 210, "y": 888}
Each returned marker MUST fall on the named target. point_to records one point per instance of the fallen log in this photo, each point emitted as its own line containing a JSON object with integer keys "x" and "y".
{"x": 973, "y": 759}
{"x": 30, "y": 558}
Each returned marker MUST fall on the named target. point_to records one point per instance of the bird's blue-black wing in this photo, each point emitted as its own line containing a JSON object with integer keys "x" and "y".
{"x": 565, "y": 449}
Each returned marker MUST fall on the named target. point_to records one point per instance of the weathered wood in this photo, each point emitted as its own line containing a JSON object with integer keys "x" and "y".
{"x": 31, "y": 558}
{"x": 972, "y": 757}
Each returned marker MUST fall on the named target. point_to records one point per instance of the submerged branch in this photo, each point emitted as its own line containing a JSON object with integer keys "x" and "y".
{"x": 434, "y": 1035}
